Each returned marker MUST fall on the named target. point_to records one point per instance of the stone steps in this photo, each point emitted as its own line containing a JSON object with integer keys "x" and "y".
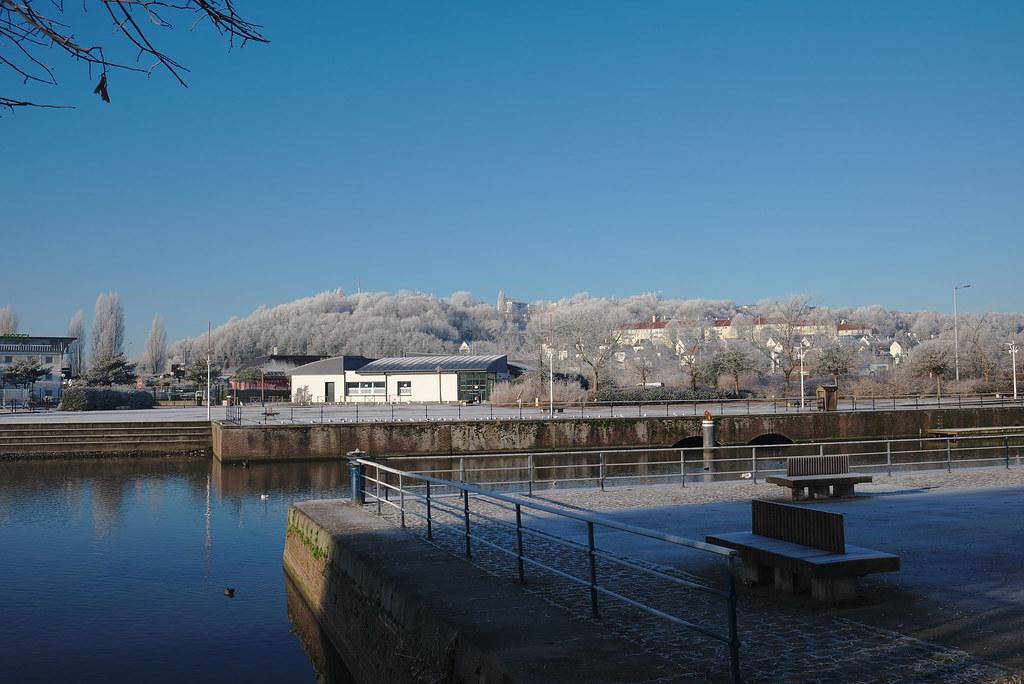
{"x": 56, "y": 440}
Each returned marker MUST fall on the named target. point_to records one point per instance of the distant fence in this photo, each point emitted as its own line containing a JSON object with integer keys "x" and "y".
{"x": 399, "y": 411}
{"x": 610, "y": 467}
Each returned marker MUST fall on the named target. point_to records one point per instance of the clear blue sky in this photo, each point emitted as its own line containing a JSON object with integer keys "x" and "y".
{"x": 859, "y": 153}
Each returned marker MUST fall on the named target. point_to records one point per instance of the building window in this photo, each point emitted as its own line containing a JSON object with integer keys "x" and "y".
{"x": 353, "y": 389}
{"x": 475, "y": 386}
{"x": 8, "y": 359}
{"x": 405, "y": 388}
{"x": 49, "y": 359}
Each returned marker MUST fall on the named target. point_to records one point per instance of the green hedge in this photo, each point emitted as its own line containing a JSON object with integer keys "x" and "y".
{"x": 102, "y": 399}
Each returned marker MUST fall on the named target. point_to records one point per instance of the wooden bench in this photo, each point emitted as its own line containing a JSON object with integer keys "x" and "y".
{"x": 816, "y": 474}
{"x": 793, "y": 547}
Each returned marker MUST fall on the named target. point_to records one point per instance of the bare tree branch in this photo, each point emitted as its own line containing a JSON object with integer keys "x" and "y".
{"x": 27, "y": 33}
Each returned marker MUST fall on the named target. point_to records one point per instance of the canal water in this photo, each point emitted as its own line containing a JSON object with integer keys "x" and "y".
{"x": 115, "y": 571}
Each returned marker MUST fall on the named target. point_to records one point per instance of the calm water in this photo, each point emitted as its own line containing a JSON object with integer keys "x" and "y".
{"x": 114, "y": 570}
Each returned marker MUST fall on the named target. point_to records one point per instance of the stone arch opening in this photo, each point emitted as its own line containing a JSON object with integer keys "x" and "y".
{"x": 769, "y": 439}
{"x": 689, "y": 442}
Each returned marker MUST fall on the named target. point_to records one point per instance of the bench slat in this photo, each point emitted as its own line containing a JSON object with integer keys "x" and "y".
{"x": 807, "y": 527}
{"x": 835, "y": 464}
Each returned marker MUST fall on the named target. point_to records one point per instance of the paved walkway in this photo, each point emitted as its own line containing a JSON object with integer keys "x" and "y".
{"x": 953, "y": 614}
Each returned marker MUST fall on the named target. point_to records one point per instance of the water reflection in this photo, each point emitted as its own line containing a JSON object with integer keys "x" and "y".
{"x": 114, "y": 571}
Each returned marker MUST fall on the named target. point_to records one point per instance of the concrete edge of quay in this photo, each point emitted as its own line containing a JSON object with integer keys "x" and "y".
{"x": 398, "y": 609}
{"x": 233, "y": 443}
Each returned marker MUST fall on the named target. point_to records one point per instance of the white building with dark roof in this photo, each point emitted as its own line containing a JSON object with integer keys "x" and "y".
{"x": 406, "y": 379}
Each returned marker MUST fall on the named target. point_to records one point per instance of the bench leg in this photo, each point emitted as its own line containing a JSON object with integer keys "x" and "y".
{"x": 842, "y": 490}
{"x": 838, "y": 590}
{"x": 755, "y": 573}
{"x": 785, "y": 580}
{"x": 795, "y": 493}
{"x": 814, "y": 492}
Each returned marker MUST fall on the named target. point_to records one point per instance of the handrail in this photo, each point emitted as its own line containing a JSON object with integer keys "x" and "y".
{"x": 575, "y": 515}
{"x": 463, "y": 514}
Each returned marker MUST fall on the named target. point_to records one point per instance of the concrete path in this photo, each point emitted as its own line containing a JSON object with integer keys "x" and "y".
{"x": 953, "y": 614}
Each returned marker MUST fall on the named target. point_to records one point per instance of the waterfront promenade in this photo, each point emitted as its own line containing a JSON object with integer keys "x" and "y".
{"x": 953, "y": 614}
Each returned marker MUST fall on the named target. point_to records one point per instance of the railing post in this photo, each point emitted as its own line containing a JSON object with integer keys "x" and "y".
{"x": 959, "y": 404}
{"x": 377, "y": 480}
{"x": 601, "y": 470}
{"x": 753, "y": 461}
{"x": 401, "y": 499}
{"x": 462, "y": 470}
{"x": 430, "y": 525}
{"x": 529, "y": 474}
{"x": 1006, "y": 451}
{"x": 888, "y": 456}
{"x": 465, "y": 513}
{"x": 949, "y": 457}
{"x": 593, "y": 568}
{"x": 821, "y": 449}
{"x": 356, "y": 472}
{"x": 734, "y": 638}
{"x": 519, "y": 542}
{"x": 682, "y": 467}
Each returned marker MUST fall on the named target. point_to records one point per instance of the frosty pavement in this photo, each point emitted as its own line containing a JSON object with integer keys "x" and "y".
{"x": 954, "y": 613}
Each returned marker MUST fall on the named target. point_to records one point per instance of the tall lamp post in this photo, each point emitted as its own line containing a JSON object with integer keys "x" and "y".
{"x": 1013, "y": 356}
{"x": 800, "y": 355}
{"x": 551, "y": 383}
{"x": 956, "y": 337}
{"x": 209, "y": 350}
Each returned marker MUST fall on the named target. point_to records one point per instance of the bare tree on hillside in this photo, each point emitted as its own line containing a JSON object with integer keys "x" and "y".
{"x": 782, "y": 332}
{"x": 932, "y": 359}
{"x": 33, "y": 31}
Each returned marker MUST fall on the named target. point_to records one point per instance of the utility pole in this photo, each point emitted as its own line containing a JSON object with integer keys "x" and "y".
{"x": 551, "y": 383}
{"x": 801, "y": 355}
{"x": 1013, "y": 356}
{"x": 209, "y": 350}
{"x": 956, "y": 337}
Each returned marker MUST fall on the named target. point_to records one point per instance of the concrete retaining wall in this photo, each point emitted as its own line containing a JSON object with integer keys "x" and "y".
{"x": 400, "y": 610}
{"x": 330, "y": 441}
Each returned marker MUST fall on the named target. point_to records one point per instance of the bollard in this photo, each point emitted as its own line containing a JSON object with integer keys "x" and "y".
{"x": 356, "y": 471}
{"x": 753, "y": 461}
{"x": 708, "y": 433}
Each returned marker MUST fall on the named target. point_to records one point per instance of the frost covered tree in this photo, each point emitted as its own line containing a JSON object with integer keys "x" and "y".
{"x": 154, "y": 357}
{"x": 733, "y": 360}
{"x": 107, "y": 338}
{"x": 835, "y": 359}
{"x": 932, "y": 359}
{"x": 8, "y": 321}
{"x": 76, "y": 351}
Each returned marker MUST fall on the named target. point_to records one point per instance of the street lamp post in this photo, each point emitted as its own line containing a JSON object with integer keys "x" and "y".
{"x": 956, "y": 337}
{"x": 800, "y": 355}
{"x": 209, "y": 350}
{"x": 1013, "y": 356}
{"x": 551, "y": 383}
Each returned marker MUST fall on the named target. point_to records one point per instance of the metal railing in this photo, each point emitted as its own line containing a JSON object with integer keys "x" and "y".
{"x": 233, "y": 415}
{"x": 430, "y": 499}
{"x": 369, "y": 412}
{"x": 602, "y": 468}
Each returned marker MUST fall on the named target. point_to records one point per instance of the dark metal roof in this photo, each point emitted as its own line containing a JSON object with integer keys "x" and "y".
{"x": 330, "y": 366}
{"x": 431, "y": 364}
